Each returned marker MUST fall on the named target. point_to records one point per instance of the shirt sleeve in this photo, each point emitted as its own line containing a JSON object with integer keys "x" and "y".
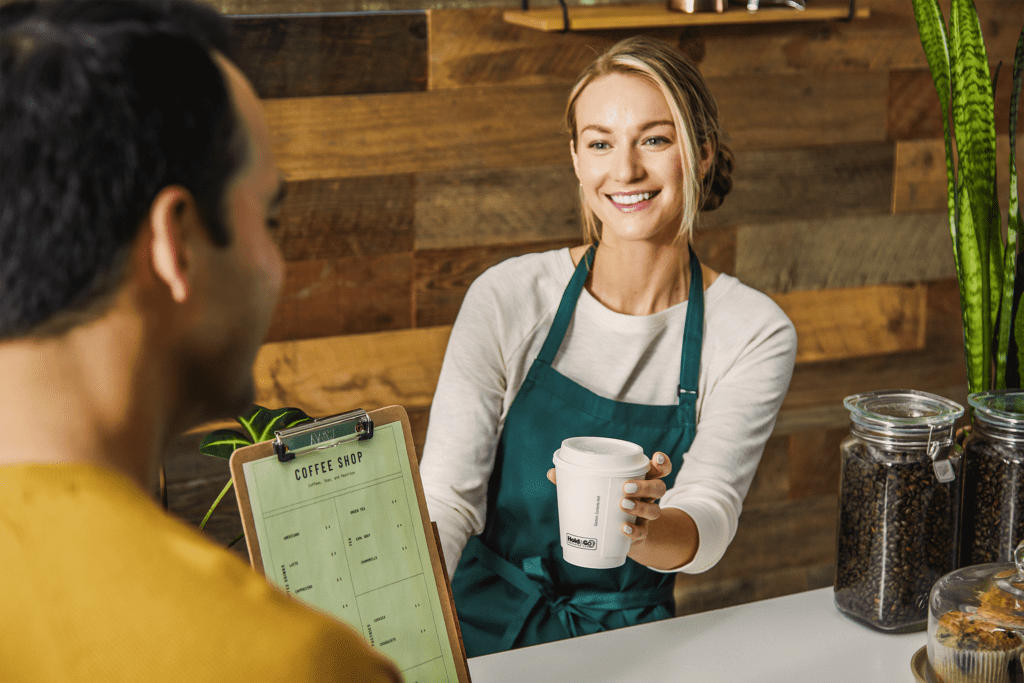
{"x": 754, "y": 350}
{"x": 465, "y": 419}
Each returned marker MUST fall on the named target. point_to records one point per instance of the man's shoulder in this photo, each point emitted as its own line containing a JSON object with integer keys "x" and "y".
{"x": 121, "y": 580}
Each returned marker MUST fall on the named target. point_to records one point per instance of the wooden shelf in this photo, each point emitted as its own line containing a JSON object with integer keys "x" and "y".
{"x": 659, "y": 15}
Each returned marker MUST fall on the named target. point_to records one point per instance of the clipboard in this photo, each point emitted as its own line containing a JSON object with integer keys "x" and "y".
{"x": 334, "y": 515}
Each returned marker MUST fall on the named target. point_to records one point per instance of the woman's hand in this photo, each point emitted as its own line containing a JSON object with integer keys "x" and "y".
{"x": 670, "y": 543}
{"x": 639, "y": 496}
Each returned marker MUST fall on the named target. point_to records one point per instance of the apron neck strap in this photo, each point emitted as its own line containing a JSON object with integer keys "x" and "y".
{"x": 693, "y": 332}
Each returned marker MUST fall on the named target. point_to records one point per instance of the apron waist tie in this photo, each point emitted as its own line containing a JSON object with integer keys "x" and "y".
{"x": 573, "y": 611}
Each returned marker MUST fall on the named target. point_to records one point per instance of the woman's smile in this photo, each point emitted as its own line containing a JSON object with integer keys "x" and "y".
{"x": 633, "y": 201}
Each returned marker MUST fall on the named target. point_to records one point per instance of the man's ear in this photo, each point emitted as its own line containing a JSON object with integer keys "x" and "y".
{"x": 173, "y": 219}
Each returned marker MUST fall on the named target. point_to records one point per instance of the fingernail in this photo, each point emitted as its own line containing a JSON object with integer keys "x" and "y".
{"x": 660, "y": 459}
{"x": 627, "y": 528}
{"x": 628, "y": 504}
{"x": 631, "y": 487}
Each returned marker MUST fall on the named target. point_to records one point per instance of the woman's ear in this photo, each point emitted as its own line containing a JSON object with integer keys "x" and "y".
{"x": 173, "y": 220}
{"x": 575, "y": 158}
{"x": 707, "y": 156}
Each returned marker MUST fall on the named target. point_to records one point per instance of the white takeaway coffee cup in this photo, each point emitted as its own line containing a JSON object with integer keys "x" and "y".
{"x": 590, "y": 472}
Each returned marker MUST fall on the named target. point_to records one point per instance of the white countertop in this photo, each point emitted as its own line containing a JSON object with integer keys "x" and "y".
{"x": 799, "y": 638}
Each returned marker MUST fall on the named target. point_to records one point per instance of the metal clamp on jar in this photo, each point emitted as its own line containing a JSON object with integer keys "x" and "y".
{"x": 898, "y": 506}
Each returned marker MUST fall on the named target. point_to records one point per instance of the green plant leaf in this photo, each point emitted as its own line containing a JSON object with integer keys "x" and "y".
{"x": 261, "y": 423}
{"x": 977, "y": 330}
{"x": 932, "y": 29}
{"x": 975, "y": 137}
{"x": 1016, "y": 222}
{"x": 222, "y": 443}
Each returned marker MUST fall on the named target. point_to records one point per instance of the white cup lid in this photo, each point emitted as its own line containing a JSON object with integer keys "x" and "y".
{"x": 601, "y": 451}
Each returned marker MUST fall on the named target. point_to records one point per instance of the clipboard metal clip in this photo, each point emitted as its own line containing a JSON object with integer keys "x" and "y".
{"x": 325, "y": 432}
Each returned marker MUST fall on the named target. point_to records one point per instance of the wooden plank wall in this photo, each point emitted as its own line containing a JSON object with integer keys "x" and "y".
{"x": 421, "y": 147}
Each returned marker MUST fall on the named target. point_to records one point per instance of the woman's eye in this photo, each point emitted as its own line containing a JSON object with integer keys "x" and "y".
{"x": 273, "y": 223}
{"x": 598, "y": 145}
{"x": 656, "y": 141}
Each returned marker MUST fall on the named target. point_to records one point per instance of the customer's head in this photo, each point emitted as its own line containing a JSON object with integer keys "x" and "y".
{"x": 138, "y": 180}
{"x": 707, "y": 162}
{"x": 102, "y": 104}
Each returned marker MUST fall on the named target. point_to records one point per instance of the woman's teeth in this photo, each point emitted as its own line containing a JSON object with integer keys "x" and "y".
{"x": 632, "y": 198}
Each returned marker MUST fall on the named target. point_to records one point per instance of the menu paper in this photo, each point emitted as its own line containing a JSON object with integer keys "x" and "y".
{"x": 337, "y": 528}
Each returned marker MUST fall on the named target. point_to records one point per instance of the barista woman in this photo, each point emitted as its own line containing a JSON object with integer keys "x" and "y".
{"x": 627, "y": 336}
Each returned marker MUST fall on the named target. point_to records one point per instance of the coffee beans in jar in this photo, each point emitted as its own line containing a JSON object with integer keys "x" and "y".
{"x": 993, "y": 479}
{"x": 898, "y": 507}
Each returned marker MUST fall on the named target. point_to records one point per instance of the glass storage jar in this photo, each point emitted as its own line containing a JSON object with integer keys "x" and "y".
{"x": 976, "y": 624}
{"x": 898, "y": 506}
{"x": 993, "y": 478}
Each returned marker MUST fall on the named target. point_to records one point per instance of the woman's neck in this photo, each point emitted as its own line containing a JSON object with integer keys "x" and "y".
{"x": 638, "y": 278}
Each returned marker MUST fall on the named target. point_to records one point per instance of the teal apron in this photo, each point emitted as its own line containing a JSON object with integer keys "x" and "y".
{"x": 512, "y": 588}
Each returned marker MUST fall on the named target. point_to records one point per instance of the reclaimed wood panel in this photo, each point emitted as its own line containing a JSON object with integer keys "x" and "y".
{"x": 914, "y": 111}
{"x": 333, "y": 374}
{"x": 331, "y": 137}
{"x": 656, "y": 15}
{"x": 771, "y": 482}
{"x": 703, "y": 593}
{"x": 806, "y": 528}
{"x": 332, "y": 54}
{"x": 193, "y": 482}
{"x": 328, "y": 374}
{"x": 920, "y": 177}
{"x": 313, "y": 6}
{"x": 773, "y": 112}
{"x": 380, "y": 135}
{"x": 844, "y": 252}
{"x": 326, "y": 297}
{"x": 814, "y": 459}
{"x": 862, "y": 321}
{"x": 807, "y": 182}
{"x": 716, "y": 248}
{"x": 444, "y": 275}
{"x": 497, "y": 207}
{"x": 816, "y": 392}
{"x": 519, "y": 205}
{"x": 342, "y": 217}
{"x": 475, "y": 47}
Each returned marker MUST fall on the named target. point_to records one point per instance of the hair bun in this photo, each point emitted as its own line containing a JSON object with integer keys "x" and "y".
{"x": 718, "y": 182}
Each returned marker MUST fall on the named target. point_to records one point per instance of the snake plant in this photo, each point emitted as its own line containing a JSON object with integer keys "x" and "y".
{"x": 259, "y": 424}
{"x": 986, "y": 265}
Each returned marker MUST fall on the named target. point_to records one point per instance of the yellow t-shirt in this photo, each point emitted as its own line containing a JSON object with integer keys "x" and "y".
{"x": 99, "y": 584}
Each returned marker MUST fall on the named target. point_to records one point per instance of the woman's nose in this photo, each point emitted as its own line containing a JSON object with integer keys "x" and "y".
{"x": 628, "y": 166}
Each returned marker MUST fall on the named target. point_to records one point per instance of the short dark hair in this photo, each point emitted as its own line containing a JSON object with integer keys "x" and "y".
{"x": 103, "y": 103}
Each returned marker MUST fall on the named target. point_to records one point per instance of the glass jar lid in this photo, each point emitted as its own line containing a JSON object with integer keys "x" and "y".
{"x": 904, "y": 417}
{"x": 1003, "y": 408}
{"x": 976, "y": 619}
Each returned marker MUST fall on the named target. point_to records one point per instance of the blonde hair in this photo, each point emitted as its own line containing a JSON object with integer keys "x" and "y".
{"x": 694, "y": 112}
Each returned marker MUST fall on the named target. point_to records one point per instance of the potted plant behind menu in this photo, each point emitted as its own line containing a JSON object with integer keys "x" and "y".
{"x": 902, "y": 480}
{"x": 259, "y": 424}
{"x": 992, "y": 512}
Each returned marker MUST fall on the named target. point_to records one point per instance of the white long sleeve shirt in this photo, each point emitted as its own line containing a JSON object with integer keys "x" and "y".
{"x": 746, "y": 364}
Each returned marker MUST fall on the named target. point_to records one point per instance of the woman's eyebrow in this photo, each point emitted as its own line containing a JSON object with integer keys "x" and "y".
{"x": 646, "y": 126}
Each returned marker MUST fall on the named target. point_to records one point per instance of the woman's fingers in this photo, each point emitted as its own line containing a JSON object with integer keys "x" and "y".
{"x": 551, "y": 476}
{"x": 660, "y": 466}
{"x": 640, "y": 496}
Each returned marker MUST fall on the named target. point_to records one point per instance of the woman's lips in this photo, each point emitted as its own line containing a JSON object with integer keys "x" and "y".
{"x": 632, "y": 201}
